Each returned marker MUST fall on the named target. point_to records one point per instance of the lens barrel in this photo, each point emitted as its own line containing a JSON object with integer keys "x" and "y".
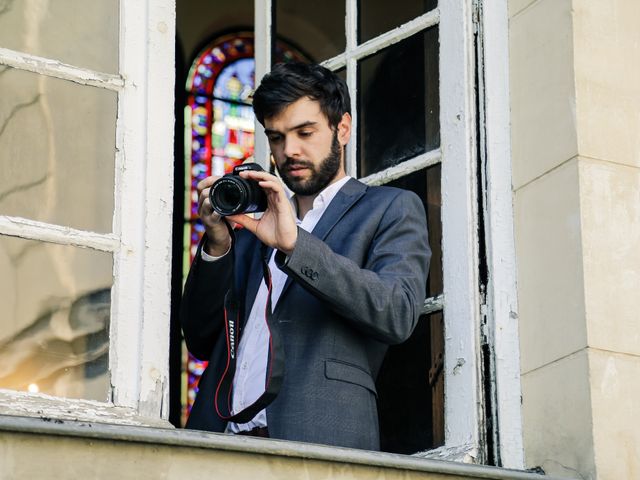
{"x": 233, "y": 194}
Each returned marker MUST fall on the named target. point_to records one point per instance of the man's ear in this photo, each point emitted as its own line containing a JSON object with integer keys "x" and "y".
{"x": 344, "y": 129}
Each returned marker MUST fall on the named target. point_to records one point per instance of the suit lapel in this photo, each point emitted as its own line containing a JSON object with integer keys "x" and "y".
{"x": 349, "y": 194}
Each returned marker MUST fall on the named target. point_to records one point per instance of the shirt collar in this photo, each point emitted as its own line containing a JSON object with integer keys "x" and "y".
{"x": 323, "y": 199}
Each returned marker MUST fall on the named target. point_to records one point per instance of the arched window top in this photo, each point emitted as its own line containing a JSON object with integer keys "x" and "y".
{"x": 215, "y": 59}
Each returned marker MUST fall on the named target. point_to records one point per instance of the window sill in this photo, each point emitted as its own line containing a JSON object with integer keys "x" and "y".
{"x": 61, "y": 410}
{"x": 173, "y": 453}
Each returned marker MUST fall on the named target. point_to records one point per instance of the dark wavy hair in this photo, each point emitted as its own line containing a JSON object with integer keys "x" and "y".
{"x": 289, "y": 82}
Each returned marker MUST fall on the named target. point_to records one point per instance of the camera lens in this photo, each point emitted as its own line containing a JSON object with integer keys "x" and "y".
{"x": 233, "y": 194}
{"x": 229, "y": 196}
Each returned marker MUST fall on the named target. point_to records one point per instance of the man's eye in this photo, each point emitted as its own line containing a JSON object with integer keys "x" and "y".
{"x": 305, "y": 133}
{"x": 274, "y": 138}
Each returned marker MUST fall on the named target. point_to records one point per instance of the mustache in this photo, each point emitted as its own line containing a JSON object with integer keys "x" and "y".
{"x": 290, "y": 162}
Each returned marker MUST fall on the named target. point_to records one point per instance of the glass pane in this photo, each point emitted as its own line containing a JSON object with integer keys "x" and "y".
{"x": 378, "y": 16}
{"x": 317, "y": 28}
{"x": 398, "y": 103}
{"x": 79, "y": 32}
{"x": 426, "y": 183}
{"x": 54, "y": 325}
{"x": 411, "y": 390}
{"x": 57, "y": 150}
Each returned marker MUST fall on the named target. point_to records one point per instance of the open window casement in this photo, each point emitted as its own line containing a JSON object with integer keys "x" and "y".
{"x": 85, "y": 209}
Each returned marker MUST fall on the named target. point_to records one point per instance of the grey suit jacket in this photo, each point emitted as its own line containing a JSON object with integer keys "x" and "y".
{"x": 356, "y": 284}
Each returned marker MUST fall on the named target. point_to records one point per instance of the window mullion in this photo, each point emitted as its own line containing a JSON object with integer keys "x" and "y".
{"x": 154, "y": 345}
{"x": 405, "y": 168}
{"x": 262, "y": 52}
{"x": 127, "y": 293}
{"x": 143, "y": 209}
{"x": 383, "y": 41}
{"x": 351, "y": 30}
{"x": 54, "y": 68}
{"x": 46, "y": 232}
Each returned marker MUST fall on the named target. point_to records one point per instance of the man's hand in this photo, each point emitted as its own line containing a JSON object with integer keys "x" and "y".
{"x": 277, "y": 226}
{"x": 219, "y": 240}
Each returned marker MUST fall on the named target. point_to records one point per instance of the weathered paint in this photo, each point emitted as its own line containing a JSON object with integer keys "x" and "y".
{"x": 54, "y": 68}
{"x": 262, "y": 53}
{"x": 143, "y": 199}
{"x": 160, "y": 79}
{"x": 502, "y": 306}
{"x": 34, "y": 230}
{"x": 433, "y": 304}
{"x": 405, "y": 168}
{"x": 459, "y": 229}
{"x": 57, "y": 410}
{"x": 37, "y": 449}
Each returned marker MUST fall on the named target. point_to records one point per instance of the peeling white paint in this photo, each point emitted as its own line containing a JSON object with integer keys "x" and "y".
{"x": 459, "y": 224}
{"x": 405, "y": 168}
{"x": 501, "y": 291}
{"x": 34, "y": 230}
{"x": 59, "y": 410}
{"x": 459, "y": 364}
{"x": 143, "y": 207}
{"x": 457, "y": 453}
{"x": 433, "y": 304}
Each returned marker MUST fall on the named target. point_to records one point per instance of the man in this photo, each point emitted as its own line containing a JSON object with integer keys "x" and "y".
{"x": 348, "y": 262}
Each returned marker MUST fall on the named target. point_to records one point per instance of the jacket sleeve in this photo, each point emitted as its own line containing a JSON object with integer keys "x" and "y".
{"x": 384, "y": 297}
{"x": 202, "y": 307}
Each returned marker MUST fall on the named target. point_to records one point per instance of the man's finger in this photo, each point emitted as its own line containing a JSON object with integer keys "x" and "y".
{"x": 207, "y": 182}
{"x": 245, "y": 221}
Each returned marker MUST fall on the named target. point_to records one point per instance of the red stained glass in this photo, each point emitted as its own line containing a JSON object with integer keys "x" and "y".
{"x": 219, "y": 129}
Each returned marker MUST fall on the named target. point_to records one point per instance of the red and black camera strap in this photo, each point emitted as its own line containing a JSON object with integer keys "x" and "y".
{"x": 275, "y": 362}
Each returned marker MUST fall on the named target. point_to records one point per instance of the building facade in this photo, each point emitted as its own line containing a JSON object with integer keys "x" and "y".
{"x": 518, "y": 124}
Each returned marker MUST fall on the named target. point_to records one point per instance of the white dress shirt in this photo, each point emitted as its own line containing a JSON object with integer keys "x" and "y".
{"x": 251, "y": 367}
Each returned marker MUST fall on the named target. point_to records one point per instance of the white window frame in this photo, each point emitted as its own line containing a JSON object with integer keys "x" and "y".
{"x": 501, "y": 312}
{"x": 467, "y": 314}
{"x": 141, "y": 239}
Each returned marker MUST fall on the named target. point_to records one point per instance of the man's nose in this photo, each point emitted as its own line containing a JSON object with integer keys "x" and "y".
{"x": 292, "y": 148}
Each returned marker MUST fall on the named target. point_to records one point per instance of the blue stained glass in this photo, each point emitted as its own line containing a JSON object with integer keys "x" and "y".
{"x": 236, "y": 81}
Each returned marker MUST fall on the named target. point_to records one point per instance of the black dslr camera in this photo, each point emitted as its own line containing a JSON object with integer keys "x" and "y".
{"x": 233, "y": 194}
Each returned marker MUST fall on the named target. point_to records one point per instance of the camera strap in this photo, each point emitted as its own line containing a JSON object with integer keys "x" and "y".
{"x": 275, "y": 360}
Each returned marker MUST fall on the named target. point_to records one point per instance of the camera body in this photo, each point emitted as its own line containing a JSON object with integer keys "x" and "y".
{"x": 233, "y": 194}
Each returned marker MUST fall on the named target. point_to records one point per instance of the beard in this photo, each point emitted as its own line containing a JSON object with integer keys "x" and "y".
{"x": 320, "y": 177}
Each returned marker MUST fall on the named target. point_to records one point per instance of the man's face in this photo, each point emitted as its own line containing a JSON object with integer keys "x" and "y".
{"x": 307, "y": 151}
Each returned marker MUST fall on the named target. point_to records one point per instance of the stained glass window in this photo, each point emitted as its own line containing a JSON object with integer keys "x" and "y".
{"x": 219, "y": 134}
